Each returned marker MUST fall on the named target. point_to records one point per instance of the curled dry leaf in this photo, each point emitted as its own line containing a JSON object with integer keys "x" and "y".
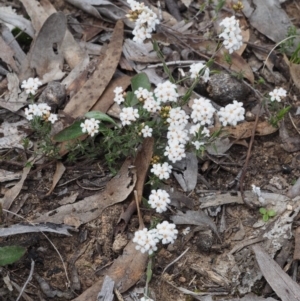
{"x": 60, "y": 169}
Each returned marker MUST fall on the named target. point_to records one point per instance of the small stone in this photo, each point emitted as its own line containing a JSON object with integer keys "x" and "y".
{"x": 119, "y": 243}
{"x": 286, "y": 169}
{"x": 182, "y": 279}
{"x": 289, "y": 207}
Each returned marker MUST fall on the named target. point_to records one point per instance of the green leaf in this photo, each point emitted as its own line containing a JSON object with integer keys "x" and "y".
{"x": 99, "y": 116}
{"x": 140, "y": 80}
{"x": 69, "y": 133}
{"x": 263, "y": 210}
{"x": 271, "y": 213}
{"x": 131, "y": 99}
{"x": 265, "y": 217}
{"x": 11, "y": 254}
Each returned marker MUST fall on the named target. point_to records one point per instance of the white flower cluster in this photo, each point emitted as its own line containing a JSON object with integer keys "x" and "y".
{"x": 162, "y": 171}
{"x": 159, "y": 200}
{"x": 232, "y": 113}
{"x": 203, "y": 111}
{"x": 145, "y": 21}
{"x": 40, "y": 110}
{"x": 177, "y": 135}
{"x": 31, "y": 85}
{"x": 149, "y": 103}
{"x": 90, "y": 126}
{"x": 195, "y": 69}
{"x": 277, "y": 94}
{"x": 128, "y": 115}
{"x": 231, "y": 34}
{"x": 147, "y": 240}
{"x": 119, "y": 97}
{"x": 166, "y": 92}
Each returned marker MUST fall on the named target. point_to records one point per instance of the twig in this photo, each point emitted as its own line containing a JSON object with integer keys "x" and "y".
{"x": 293, "y": 123}
{"x": 175, "y": 260}
{"x": 28, "y": 279}
{"x": 173, "y": 63}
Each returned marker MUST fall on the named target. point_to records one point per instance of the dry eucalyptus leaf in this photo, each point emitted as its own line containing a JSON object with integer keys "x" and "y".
{"x": 43, "y": 58}
{"x": 187, "y": 3}
{"x": 6, "y": 175}
{"x": 282, "y": 284}
{"x": 7, "y": 55}
{"x": 186, "y": 171}
{"x": 266, "y": 16}
{"x": 219, "y": 146}
{"x": 60, "y": 169}
{"x": 93, "y": 88}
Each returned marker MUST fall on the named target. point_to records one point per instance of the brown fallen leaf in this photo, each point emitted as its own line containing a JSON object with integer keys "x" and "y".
{"x": 43, "y": 59}
{"x": 88, "y": 95}
{"x": 86, "y": 210}
{"x": 244, "y": 130}
{"x": 107, "y": 98}
{"x": 282, "y": 284}
{"x": 60, "y": 169}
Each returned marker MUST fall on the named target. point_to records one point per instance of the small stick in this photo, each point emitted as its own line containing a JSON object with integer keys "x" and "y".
{"x": 27, "y": 281}
{"x": 138, "y": 209}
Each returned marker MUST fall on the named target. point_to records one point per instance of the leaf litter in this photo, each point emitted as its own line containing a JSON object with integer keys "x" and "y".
{"x": 234, "y": 265}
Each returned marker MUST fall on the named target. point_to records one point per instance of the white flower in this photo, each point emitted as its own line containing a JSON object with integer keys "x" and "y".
{"x": 232, "y": 113}
{"x": 166, "y": 92}
{"x": 196, "y": 68}
{"x": 203, "y": 111}
{"x": 167, "y": 232}
{"x": 90, "y": 126}
{"x": 31, "y": 85}
{"x": 277, "y": 94}
{"x": 147, "y": 131}
{"x": 145, "y": 21}
{"x": 128, "y": 115}
{"x": 119, "y": 98}
{"x": 197, "y": 144}
{"x": 159, "y": 199}
{"x": 186, "y": 231}
{"x": 52, "y": 118}
{"x": 162, "y": 171}
{"x": 231, "y": 34}
{"x": 146, "y": 240}
{"x": 256, "y": 190}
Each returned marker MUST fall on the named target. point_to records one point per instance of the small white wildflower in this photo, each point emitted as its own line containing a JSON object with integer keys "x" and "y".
{"x": 146, "y": 240}
{"x": 203, "y": 111}
{"x": 166, "y": 92}
{"x": 147, "y": 131}
{"x": 128, "y": 115}
{"x": 162, "y": 171}
{"x": 167, "y": 232}
{"x": 277, "y": 94}
{"x": 31, "y": 85}
{"x": 52, "y": 118}
{"x": 119, "y": 97}
{"x": 232, "y": 114}
{"x": 195, "y": 69}
{"x": 159, "y": 199}
{"x": 197, "y": 144}
{"x": 231, "y": 34}
{"x": 90, "y": 126}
